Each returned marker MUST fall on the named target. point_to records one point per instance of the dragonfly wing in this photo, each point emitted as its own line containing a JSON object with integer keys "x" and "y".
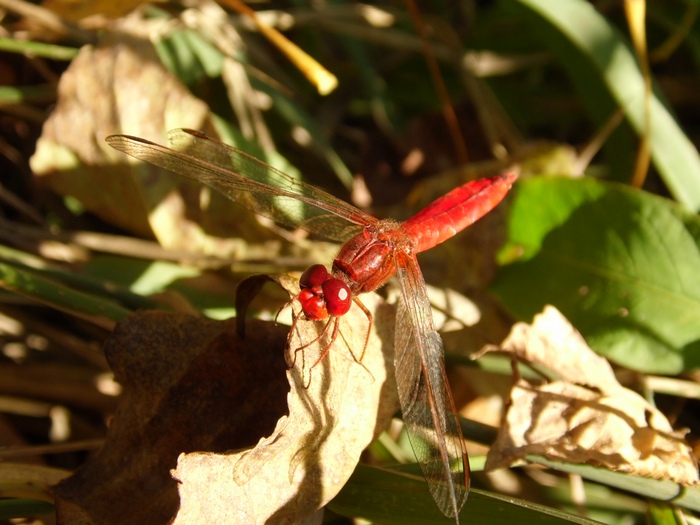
{"x": 249, "y": 182}
{"x": 426, "y": 403}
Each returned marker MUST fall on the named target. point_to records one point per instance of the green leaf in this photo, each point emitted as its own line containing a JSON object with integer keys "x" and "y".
{"x": 656, "y": 489}
{"x": 390, "y": 497}
{"x": 601, "y": 65}
{"x": 619, "y": 263}
{"x": 102, "y": 286}
{"x": 15, "y": 95}
{"x": 23, "y": 508}
{"x": 189, "y": 56}
{"x": 52, "y": 293}
{"x": 297, "y": 117}
{"x": 662, "y": 515}
{"x": 38, "y": 49}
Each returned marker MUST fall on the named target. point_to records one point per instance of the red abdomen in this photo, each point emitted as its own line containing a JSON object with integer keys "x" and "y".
{"x": 453, "y": 212}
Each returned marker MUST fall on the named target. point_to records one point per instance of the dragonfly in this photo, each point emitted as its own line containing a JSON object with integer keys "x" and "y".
{"x": 374, "y": 250}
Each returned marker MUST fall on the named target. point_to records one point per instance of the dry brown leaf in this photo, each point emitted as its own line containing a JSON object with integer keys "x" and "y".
{"x": 312, "y": 452}
{"x": 587, "y": 416}
{"x": 122, "y": 87}
{"x": 118, "y": 88}
{"x": 188, "y": 384}
{"x": 552, "y": 342}
{"x": 217, "y": 414}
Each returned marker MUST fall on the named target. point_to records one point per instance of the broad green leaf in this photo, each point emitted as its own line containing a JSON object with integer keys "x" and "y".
{"x": 601, "y": 65}
{"x": 620, "y": 264}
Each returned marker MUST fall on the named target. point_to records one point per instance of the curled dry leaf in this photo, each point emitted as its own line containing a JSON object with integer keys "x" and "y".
{"x": 188, "y": 384}
{"x": 224, "y": 421}
{"x": 336, "y": 409}
{"x": 586, "y": 416}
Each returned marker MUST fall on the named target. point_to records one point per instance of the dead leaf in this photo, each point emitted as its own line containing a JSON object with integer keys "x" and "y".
{"x": 312, "y": 452}
{"x": 587, "y": 416}
{"x": 121, "y": 87}
{"x": 204, "y": 407}
{"x": 552, "y": 342}
{"x": 188, "y": 384}
{"x": 117, "y": 88}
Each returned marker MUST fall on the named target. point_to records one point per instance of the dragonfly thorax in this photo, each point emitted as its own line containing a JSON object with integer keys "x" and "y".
{"x": 366, "y": 261}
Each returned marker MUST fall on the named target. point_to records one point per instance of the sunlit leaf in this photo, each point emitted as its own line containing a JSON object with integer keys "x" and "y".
{"x": 619, "y": 263}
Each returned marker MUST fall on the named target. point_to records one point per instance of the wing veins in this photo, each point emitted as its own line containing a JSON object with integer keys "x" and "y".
{"x": 319, "y": 206}
{"x": 449, "y": 488}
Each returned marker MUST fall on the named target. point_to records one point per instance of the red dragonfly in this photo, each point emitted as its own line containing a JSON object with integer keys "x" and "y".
{"x": 376, "y": 250}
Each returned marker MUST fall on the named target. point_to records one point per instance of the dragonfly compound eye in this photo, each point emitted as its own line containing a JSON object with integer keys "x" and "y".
{"x": 314, "y": 275}
{"x": 338, "y": 297}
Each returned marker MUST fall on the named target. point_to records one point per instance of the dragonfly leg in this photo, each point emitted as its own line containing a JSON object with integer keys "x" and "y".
{"x": 289, "y": 337}
{"x": 283, "y": 307}
{"x": 332, "y": 321}
{"x": 319, "y": 337}
{"x": 334, "y": 336}
{"x": 370, "y": 319}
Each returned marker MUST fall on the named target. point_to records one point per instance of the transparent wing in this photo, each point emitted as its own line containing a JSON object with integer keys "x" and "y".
{"x": 426, "y": 403}
{"x": 249, "y": 182}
